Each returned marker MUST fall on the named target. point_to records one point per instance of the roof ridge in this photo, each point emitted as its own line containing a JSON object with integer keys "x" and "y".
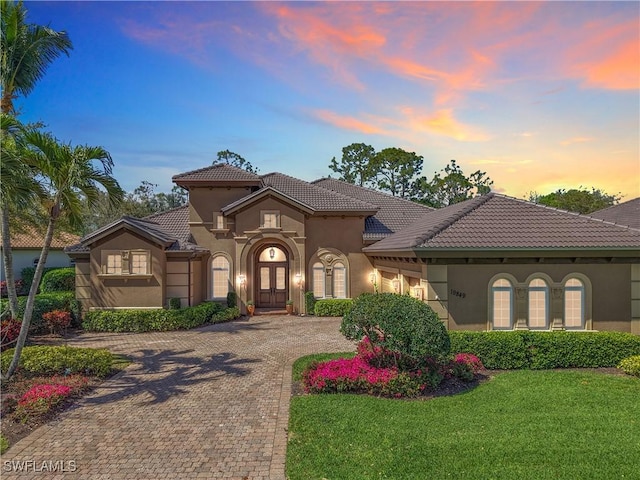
{"x": 586, "y": 216}
{"x": 373, "y": 190}
{"x": 212, "y": 166}
{"x": 474, "y": 203}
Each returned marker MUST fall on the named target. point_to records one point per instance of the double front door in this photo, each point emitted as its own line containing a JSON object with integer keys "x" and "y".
{"x": 272, "y": 285}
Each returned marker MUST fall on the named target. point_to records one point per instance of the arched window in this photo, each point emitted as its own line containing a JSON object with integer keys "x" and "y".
{"x": 339, "y": 280}
{"x": 502, "y": 308}
{"x": 538, "y": 304}
{"x": 574, "y": 304}
{"x": 318, "y": 280}
{"x": 220, "y": 277}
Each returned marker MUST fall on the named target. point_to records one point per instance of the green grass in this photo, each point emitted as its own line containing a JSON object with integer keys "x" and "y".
{"x": 520, "y": 425}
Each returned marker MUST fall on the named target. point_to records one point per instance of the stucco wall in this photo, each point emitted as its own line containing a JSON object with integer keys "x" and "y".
{"x": 127, "y": 291}
{"x": 610, "y": 291}
{"x": 25, "y": 258}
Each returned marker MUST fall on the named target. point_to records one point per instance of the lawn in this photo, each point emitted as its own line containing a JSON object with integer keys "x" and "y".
{"x": 519, "y": 425}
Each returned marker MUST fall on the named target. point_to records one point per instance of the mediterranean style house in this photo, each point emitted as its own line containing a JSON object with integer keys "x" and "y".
{"x": 490, "y": 263}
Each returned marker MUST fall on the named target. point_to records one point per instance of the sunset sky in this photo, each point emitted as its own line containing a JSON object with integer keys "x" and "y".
{"x": 541, "y": 96}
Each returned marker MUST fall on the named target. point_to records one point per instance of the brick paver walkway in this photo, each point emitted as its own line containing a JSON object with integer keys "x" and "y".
{"x": 206, "y": 403}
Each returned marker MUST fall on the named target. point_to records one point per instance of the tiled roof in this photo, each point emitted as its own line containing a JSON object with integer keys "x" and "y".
{"x": 318, "y": 198}
{"x": 170, "y": 227}
{"x": 30, "y": 238}
{"x": 626, "y": 213}
{"x": 498, "y": 222}
{"x": 393, "y": 215}
{"x": 218, "y": 172}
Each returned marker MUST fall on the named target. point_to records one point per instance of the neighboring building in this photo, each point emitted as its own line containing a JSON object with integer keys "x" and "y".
{"x": 626, "y": 213}
{"x": 492, "y": 262}
{"x": 26, "y": 247}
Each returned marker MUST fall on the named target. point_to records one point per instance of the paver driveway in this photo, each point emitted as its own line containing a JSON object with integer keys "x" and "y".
{"x": 206, "y": 403}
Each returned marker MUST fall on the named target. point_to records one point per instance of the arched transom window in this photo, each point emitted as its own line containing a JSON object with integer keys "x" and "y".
{"x": 538, "y": 304}
{"x": 220, "y": 277}
{"x": 574, "y": 304}
{"x": 502, "y": 297}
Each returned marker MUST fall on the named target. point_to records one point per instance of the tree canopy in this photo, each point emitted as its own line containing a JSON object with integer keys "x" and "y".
{"x": 578, "y": 200}
{"x": 232, "y": 158}
{"x": 355, "y": 165}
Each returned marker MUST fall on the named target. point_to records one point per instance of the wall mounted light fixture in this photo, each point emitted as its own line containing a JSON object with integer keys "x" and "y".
{"x": 298, "y": 279}
{"x": 396, "y": 284}
{"x": 372, "y": 277}
{"x": 272, "y": 253}
{"x": 242, "y": 280}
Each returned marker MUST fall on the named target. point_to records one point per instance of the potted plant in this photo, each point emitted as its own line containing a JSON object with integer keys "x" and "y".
{"x": 250, "y": 307}
{"x": 289, "y": 307}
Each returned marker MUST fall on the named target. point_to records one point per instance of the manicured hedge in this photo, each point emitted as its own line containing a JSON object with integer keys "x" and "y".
{"x": 542, "y": 350}
{"x": 332, "y": 307}
{"x": 309, "y": 302}
{"x": 44, "y": 360}
{"x": 28, "y": 273}
{"x": 631, "y": 365}
{"x": 47, "y": 302}
{"x": 59, "y": 280}
{"x": 157, "y": 319}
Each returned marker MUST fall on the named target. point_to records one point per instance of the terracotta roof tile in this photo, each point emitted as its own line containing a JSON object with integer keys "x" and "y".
{"x": 318, "y": 198}
{"x": 30, "y": 238}
{"x": 219, "y": 172}
{"x": 626, "y": 213}
{"x": 393, "y": 215}
{"x": 499, "y": 222}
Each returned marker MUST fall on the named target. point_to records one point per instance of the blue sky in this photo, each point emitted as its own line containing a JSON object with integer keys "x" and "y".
{"x": 539, "y": 95}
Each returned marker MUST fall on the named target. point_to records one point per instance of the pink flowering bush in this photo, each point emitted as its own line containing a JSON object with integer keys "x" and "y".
{"x": 374, "y": 371}
{"x": 465, "y": 366}
{"x": 41, "y": 398}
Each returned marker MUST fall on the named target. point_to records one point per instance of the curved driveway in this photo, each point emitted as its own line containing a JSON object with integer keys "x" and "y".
{"x": 206, "y": 403}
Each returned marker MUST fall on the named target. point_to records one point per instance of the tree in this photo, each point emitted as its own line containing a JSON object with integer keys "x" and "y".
{"x": 231, "y": 158}
{"x": 577, "y": 200}
{"x": 18, "y": 193}
{"x": 395, "y": 170}
{"x": 27, "y": 51}
{"x": 450, "y": 186}
{"x": 67, "y": 174}
{"x": 356, "y": 163}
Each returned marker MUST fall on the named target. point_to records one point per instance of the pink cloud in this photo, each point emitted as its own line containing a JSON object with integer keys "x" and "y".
{"x": 348, "y": 122}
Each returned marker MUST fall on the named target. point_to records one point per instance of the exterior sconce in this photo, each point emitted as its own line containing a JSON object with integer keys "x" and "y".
{"x": 272, "y": 253}
{"x": 242, "y": 280}
{"x": 372, "y": 277}
{"x": 396, "y": 284}
{"x": 298, "y": 279}
{"x": 417, "y": 293}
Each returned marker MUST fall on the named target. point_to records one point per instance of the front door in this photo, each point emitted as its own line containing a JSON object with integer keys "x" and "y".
{"x": 272, "y": 285}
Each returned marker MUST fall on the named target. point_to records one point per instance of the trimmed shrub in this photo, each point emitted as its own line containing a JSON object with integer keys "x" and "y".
{"x": 631, "y": 365}
{"x": 44, "y": 360}
{"x": 332, "y": 307}
{"x": 175, "y": 303}
{"x": 544, "y": 350}
{"x": 47, "y": 302}
{"x": 57, "y": 320}
{"x": 309, "y": 302}
{"x": 59, "y": 280}
{"x": 28, "y": 273}
{"x": 158, "y": 320}
{"x": 232, "y": 299}
{"x": 9, "y": 331}
{"x": 398, "y": 323}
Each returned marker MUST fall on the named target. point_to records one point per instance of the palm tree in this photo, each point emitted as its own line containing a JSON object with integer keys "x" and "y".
{"x": 18, "y": 193}
{"x": 68, "y": 174}
{"x": 27, "y": 51}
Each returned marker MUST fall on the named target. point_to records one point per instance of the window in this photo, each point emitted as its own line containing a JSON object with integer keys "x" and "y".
{"x": 270, "y": 219}
{"x": 538, "y": 304}
{"x": 502, "y": 299}
{"x": 339, "y": 281}
{"x": 574, "y": 304}
{"x": 220, "y": 222}
{"x": 318, "y": 280}
{"x": 220, "y": 277}
{"x": 114, "y": 264}
{"x": 126, "y": 262}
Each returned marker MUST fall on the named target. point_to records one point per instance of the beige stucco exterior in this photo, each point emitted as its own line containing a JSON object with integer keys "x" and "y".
{"x": 228, "y": 221}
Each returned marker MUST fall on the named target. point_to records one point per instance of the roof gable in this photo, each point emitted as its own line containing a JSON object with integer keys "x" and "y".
{"x": 498, "y": 222}
{"x": 260, "y": 195}
{"x": 145, "y": 228}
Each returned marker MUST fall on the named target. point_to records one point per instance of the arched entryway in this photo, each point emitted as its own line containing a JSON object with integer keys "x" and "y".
{"x": 272, "y": 277}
